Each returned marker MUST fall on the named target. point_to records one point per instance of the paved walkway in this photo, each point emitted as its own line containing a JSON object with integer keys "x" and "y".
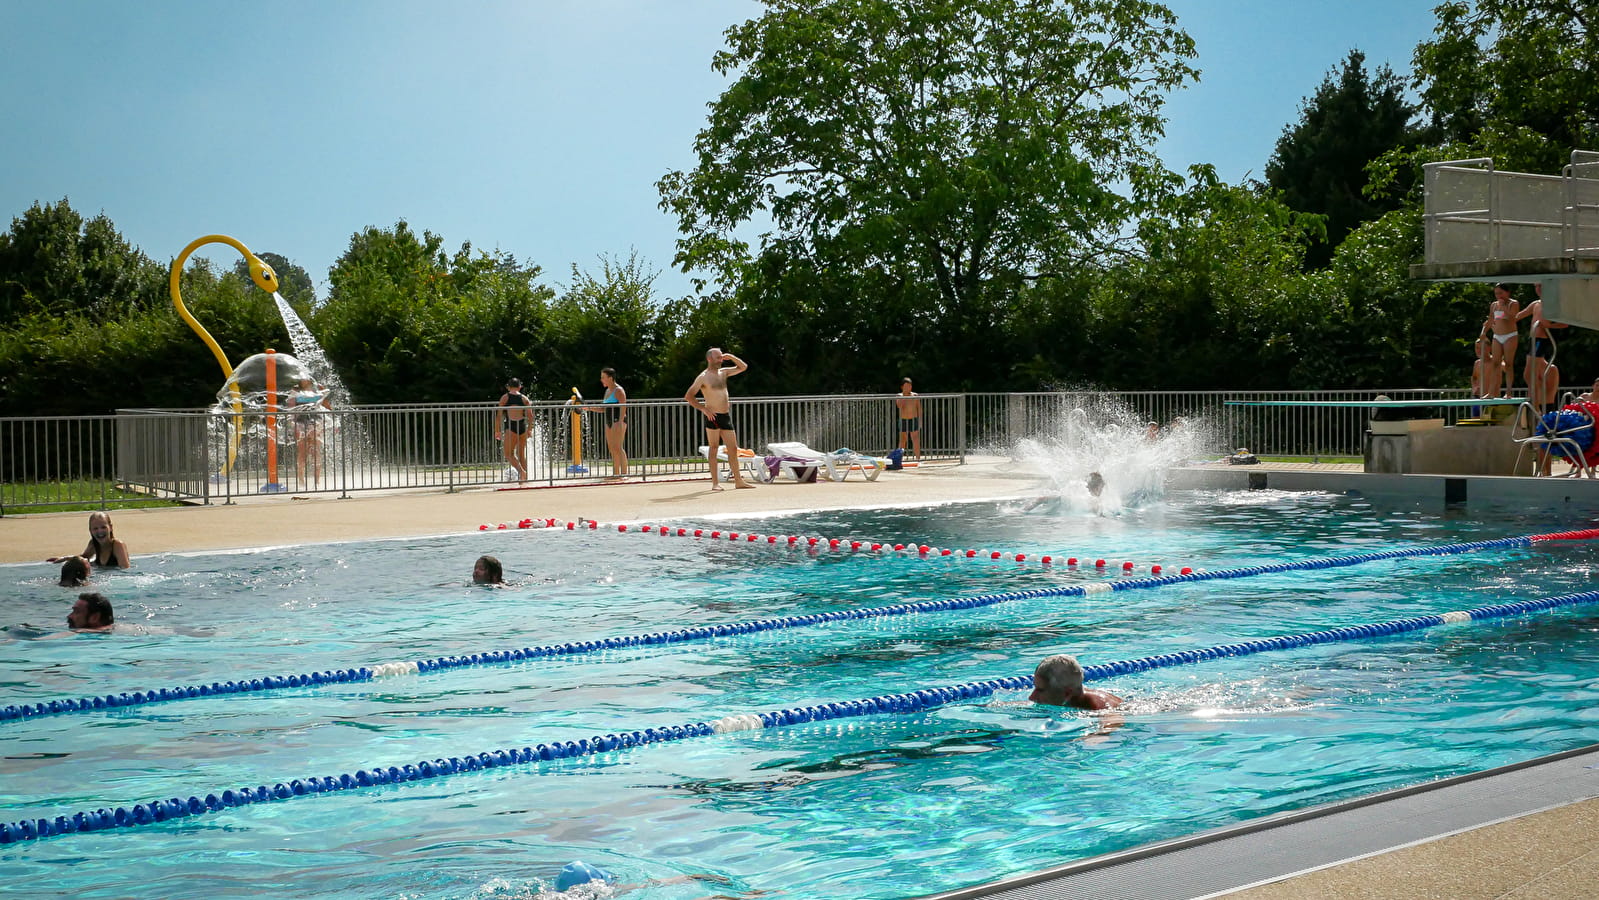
{"x": 276, "y": 520}
{"x": 1553, "y": 854}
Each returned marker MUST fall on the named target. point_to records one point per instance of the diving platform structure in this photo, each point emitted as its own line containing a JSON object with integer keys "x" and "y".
{"x": 1483, "y": 224}
{"x": 1487, "y": 225}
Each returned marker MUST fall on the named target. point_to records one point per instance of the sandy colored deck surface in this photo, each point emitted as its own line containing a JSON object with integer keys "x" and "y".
{"x": 266, "y": 521}
{"x": 1553, "y": 854}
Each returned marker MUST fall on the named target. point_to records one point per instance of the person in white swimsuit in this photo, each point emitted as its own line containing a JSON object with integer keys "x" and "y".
{"x": 1499, "y": 365}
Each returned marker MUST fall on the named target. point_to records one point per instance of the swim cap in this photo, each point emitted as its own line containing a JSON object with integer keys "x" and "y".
{"x": 578, "y": 872}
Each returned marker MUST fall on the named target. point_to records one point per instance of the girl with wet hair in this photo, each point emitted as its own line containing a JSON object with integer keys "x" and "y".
{"x": 104, "y": 550}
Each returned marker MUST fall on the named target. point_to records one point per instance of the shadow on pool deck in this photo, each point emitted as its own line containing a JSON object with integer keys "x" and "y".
{"x": 1550, "y": 854}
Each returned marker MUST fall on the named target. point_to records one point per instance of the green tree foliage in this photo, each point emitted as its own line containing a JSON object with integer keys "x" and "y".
{"x": 606, "y": 318}
{"x": 1320, "y": 161}
{"x": 965, "y": 143}
{"x": 146, "y": 357}
{"x": 294, "y": 283}
{"x": 405, "y": 321}
{"x": 55, "y": 262}
{"x": 1514, "y": 79}
{"x": 1210, "y": 299}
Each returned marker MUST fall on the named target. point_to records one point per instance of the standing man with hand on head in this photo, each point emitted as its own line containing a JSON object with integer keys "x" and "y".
{"x": 711, "y": 384}
{"x": 910, "y": 417}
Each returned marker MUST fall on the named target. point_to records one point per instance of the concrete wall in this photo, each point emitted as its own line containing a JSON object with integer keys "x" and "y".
{"x": 1427, "y": 489}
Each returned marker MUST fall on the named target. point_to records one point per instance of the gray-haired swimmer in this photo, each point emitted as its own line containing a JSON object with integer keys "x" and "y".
{"x": 1058, "y": 681}
{"x": 579, "y": 879}
{"x": 487, "y": 570}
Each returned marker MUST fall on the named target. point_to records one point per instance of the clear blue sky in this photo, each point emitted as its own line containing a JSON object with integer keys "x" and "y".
{"x": 538, "y": 127}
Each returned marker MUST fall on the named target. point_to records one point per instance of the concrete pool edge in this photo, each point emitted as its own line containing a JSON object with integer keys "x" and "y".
{"x": 1344, "y": 478}
{"x": 1267, "y": 857}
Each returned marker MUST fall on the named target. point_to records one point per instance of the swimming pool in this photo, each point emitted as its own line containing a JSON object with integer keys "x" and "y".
{"x": 889, "y": 805}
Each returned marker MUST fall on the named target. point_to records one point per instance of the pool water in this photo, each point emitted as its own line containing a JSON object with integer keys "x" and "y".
{"x": 882, "y": 806}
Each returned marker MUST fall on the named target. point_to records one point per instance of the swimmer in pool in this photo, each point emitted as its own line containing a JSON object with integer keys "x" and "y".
{"x": 487, "y": 570}
{"x": 74, "y": 572}
{"x": 104, "y": 550}
{"x": 1058, "y": 681}
{"x": 91, "y": 612}
{"x": 579, "y": 874}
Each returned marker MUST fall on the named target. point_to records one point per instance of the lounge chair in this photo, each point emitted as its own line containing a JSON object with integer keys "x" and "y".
{"x": 837, "y": 464}
{"x": 752, "y": 464}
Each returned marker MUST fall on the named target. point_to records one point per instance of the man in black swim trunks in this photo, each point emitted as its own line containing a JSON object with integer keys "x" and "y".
{"x": 512, "y": 420}
{"x": 717, "y": 408}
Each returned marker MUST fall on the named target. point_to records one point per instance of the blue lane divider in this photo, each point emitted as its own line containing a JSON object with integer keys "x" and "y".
{"x": 178, "y": 807}
{"x": 705, "y": 632}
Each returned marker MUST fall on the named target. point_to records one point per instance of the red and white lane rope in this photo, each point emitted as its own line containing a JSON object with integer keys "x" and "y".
{"x": 921, "y": 551}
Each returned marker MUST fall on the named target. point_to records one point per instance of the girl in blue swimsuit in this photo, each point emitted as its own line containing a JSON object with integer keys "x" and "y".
{"x": 615, "y": 410}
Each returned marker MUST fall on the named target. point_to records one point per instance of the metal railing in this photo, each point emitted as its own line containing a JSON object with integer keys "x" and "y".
{"x": 1474, "y": 212}
{"x": 209, "y": 457}
{"x": 220, "y": 456}
{"x": 997, "y": 421}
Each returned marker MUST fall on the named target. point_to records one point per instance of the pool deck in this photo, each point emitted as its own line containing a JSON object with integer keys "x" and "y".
{"x": 1553, "y": 853}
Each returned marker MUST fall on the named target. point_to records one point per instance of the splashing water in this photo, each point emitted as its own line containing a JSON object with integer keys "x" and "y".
{"x": 1108, "y": 438}
{"x": 310, "y": 352}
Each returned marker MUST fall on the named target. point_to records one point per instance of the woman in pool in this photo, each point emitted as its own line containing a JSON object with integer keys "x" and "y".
{"x": 304, "y": 405}
{"x": 104, "y": 550}
{"x": 487, "y": 570}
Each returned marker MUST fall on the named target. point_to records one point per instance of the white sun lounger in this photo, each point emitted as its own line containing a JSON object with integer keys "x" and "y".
{"x": 837, "y": 464}
{"x": 754, "y": 466}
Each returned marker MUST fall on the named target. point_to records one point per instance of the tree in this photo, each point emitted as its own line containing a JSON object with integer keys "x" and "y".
{"x": 1213, "y": 298}
{"x": 54, "y": 262}
{"x": 972, "y": 143}
{"x": 607, "y": 319}
{"x": 407, "y": 322}
{"x": 1320, "y": 162}
{"x": 1514, "y": 79}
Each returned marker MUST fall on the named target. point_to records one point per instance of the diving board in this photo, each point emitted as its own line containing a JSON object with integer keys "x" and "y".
{"x": 1381, "y": 404}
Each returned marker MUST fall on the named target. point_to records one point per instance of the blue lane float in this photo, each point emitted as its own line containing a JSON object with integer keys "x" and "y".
{"x": 707, "y": 632}
{"x": 106, "y": 818}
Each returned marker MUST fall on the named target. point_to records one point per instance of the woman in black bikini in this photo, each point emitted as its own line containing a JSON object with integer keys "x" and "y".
{"x": 512, "y": 420}
{"x": 104, "y": 550}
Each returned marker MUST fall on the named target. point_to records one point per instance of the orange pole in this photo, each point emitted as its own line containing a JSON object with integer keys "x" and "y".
{"x": 272, "y": 486}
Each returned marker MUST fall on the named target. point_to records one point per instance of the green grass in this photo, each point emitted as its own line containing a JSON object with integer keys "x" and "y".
{"x": 72, "y": 496}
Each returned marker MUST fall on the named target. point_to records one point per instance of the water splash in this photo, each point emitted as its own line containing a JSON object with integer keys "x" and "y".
{"x": 310, "y": 353}
{"x": 1103, "y": 436}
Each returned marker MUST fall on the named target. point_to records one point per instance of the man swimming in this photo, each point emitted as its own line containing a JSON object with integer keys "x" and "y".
{"x": 1058, "y": 681}
{"x": 91, "y": 612}
{"x": 711, "y": 385}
